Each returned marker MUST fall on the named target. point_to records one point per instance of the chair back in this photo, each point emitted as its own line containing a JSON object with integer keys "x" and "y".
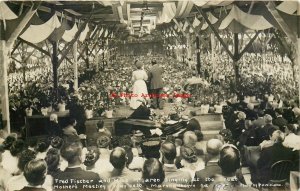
{"x": 280, "y": 171}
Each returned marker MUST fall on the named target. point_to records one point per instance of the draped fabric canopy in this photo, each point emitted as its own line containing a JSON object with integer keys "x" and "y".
{"x": 70, "y": 34}
{"x": 254, "y": 22}
{"x": 209, "y": 3}
{"x": 39, "y": 33}
{"x": 212, "y": 20}
{"x": 6, "y": 13}
{"x": 289, "y": 7}
{"x": 83, "y": 34}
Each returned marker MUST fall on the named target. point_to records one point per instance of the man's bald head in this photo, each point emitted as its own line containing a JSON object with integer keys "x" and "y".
{"x": 118, "y": 158}
{"x": 213, "y": 146}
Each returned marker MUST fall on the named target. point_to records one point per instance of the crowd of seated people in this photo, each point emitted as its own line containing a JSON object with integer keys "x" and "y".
{"x": 106, "y": 162}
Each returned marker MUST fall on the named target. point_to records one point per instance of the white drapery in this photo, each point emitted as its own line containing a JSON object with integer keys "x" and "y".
{"x": 184, "y": 8}
{"x": 38, "y": 33}
{"x": 254, "y": 22}
{"x": 212, "y": 20}
{"x": 196, "y": 22}
{"x": 167, "y": 14}
{"x": 208, "y": 3}
{"x": 289, "y": 7}
{"x": 70, "y": 34}
{"x": 6, "y": 13}
{"x": 84, "y": 33}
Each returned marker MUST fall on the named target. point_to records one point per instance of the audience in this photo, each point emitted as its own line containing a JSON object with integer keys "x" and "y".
{"x": 70, "y": 130}
{"x": 119, "y": 160}
{"x": 272, "y": 154}
{"x": 53, "y": 161}
{"x": 153, "y": 174}
{"x": 212, "y": 168}
{"x": 35, "y": 174}
{"x": 19, "y": 181}
{"x": 72, "y": 152}
{"x": 291, "y": 140}
{"x": 5, "y": 175}
{"x": 173, "y": 176}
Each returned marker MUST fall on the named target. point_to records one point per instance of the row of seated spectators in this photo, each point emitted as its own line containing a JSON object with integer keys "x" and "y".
{"x": 107, "y": 162}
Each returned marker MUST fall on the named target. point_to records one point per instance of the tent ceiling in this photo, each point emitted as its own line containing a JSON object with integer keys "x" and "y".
{"x": 133, "y": 16}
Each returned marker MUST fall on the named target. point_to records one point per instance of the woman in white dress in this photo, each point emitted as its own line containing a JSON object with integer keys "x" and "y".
{"x": 139, "y": 89}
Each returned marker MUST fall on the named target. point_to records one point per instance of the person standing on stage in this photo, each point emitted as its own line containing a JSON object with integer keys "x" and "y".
{"x": 156, "y": 84}
{"x": 139, "y": 89}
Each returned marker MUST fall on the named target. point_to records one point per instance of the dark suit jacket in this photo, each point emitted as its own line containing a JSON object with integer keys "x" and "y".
{"x": 280, "y": 122}
{"x": 155, "y": 77}
{"x": 203, "y": 176}
{"x": 269, "y": 156}
{"x": 26, "y": 188}
{"x": 64, "y": 179}
{"x": 174, "y": 178}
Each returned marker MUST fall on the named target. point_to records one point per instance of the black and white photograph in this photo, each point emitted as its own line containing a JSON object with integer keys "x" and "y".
{"x": 149, "y": 95}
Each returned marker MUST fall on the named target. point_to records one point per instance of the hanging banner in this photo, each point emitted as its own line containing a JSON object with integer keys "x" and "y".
{"x": 70, "y": 34}
{"x": 84, "y": 33}
{"x": 38, "y": 33}
{"x": 6, "y": 13}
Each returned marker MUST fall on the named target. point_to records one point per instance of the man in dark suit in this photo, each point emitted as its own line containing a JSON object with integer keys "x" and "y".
{"x": 212, "y": 168}
{"x": 156, "y": 84}
{"x": 272, "y": 154}
{"x": 279, "y": 120}
{"x": 173, "y": 177}
{"x": 266, "y": 131}
{"x": 119, "y": 160}
{"x": 74, "y": 177}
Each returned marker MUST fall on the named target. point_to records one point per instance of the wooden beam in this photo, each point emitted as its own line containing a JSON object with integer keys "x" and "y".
{"x": 14, "y": 35}
{"x": 4, "y": 85}
{"x": 55, "y": 67}
{"x": 215, "y": 32}
{"x": 249, "y": 44}
{"x": 59, "y": 51}
{"x": 35, "y": 46}
{"x": 70, "y": 45}
{"x": 284, "y": 27}
{"x": 284, "y": 45}
{"x": 89, "y": 42}
{"x": 180, "y": 28}
{"x": 15, "y": 48}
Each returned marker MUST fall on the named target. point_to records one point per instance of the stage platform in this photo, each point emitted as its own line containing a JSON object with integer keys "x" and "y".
{"x": 211, "y": 123}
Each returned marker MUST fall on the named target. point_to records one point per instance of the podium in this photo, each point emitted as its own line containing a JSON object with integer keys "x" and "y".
{"x": 36, "y": 125}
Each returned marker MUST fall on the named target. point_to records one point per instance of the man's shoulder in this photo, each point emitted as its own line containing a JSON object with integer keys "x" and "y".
{"x": 208, "y": 170}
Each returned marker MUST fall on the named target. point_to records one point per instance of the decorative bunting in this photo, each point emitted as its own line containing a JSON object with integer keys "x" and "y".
{"x": 196, "y": 22}
{"x": 84, "y": 33}
{"x": 70, "y": 34}
{"x": 6, "y": 13}
{"x": 38, "y": 33}
{"x": 254, "y": 22}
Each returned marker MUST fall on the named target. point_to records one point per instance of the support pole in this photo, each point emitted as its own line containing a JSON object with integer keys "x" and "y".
{"x": 3, "y": 85}
{"x": 213, "y": 50}
{"x": 75, "y": 66}
{"x": 198, "y": 55}
{"x": 55, "y": 68}
{"x": 189, "y": 47}
{"x": 236, "y": 58}
{"x": 86, "y": 56}
{"x": 298, "y": 48}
